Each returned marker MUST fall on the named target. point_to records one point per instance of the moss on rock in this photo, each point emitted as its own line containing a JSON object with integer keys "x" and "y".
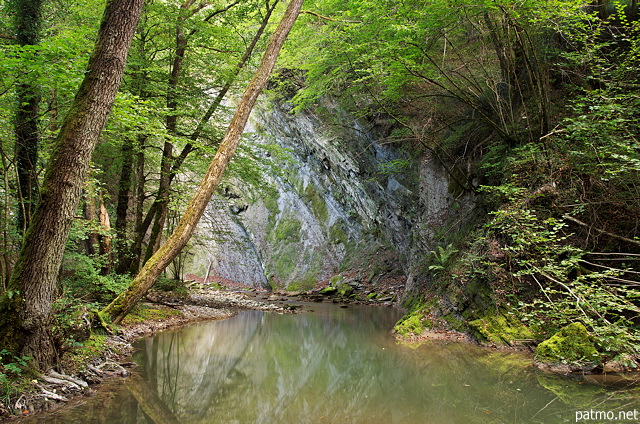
{"x": 288, "y": 229}
{"x": 572, "y": 344}
{"x": 410, "y": 325}
{"x": 500, "y": 328}
{"x": 344, "y": 290}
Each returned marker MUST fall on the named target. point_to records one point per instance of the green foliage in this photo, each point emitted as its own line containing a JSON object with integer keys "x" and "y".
{"x": 12, "y": 371}
{"x": 13, "y": 364}
{"x": 537, "y": 250}
{"x": 442, "y": 257}
{"x": 82, "y": 274}
{"x": 72, "y": 322}
{"x": 83, "y": 278}
{"x": 170, "y": 285}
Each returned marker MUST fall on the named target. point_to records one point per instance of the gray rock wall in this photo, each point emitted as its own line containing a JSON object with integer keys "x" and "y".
{"x": 342, "y": 190}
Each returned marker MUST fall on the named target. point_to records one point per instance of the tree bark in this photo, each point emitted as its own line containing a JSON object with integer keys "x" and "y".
{"x": 147, "y": 277}
{"x": 122, "y": 206}
{"x": 90, "y": 214}
{"x": 105, "y": 241}
{"x": 28, "y": 19}
{"x": 25, "y": 310}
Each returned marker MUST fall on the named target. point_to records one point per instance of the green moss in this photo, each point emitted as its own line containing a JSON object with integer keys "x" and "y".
{"x": 572, "y": 344}
{"x": 329, "y": 290}
{"x": 317, "y": 203}
{"x": 500, "y": 328}
{"x": 336, "y": 279}
{"x": 410, "y": 325}
{"x": 300, "y": 285}
{"x": 344, "y": 290}
{"x": 337, "y": 234}
{"x": 288, "y": 229}
{"x": 271, "y": 203}
{"x": 81, "y": 353}
{"x": 143, "y": 313}
{"x": 284, "y": 262}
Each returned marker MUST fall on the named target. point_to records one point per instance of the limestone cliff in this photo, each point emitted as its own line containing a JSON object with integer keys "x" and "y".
{"x": 343, "y": 197}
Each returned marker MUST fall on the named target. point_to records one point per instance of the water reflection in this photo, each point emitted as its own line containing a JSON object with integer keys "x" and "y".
{"x": 338, "y": 366}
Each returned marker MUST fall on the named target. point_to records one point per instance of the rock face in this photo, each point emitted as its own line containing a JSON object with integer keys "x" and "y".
{"x": 341, "y": 193}
{"x": 222, "y": 248}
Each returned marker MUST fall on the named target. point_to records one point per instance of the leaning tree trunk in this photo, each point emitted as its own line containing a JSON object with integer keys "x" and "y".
{"x": 148, "y": 275}
{"x": 25, "y": 310}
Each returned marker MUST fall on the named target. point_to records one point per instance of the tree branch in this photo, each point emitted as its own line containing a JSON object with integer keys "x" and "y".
{"x": 607, "y": 233}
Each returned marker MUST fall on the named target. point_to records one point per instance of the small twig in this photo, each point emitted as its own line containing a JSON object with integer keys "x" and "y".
{"x": 615, "y": 254}
{"x": 622, "y": 280}
{"x": 624, "y": 271}
{"x": 545, "y": 407}
{"x": 584, "y": 224}
{"x": 578, "y": 299}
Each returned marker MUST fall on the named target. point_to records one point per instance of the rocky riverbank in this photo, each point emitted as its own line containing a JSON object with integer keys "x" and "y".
{"x": 102, "y": 357}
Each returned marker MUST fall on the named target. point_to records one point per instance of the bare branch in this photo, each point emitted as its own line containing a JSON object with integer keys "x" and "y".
{"x": 326, "y": 18}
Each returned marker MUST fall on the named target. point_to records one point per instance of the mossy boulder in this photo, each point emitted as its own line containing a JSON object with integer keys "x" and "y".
{"x": 344, "y": 290}
{"x": 411, "y": 325}
{"x": 335, "y": 280}
{"x": 328, "y": 291}
{"x": 500, "y": 328}
{"x": 572, "y": 344}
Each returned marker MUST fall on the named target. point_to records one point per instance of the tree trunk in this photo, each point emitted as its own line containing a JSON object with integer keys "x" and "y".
{"x": 160, "y": 207}
{"x": 145, "y": 279}
{"x": 90, "y": 214}
{"x": 105, "y": 238}
{"x": 28, "y": 19}
{"x": 131, "y": 175}
{"x": 122, "y": 206}
{"x": 25, "y": 310}
{"x": 136, "y": 249}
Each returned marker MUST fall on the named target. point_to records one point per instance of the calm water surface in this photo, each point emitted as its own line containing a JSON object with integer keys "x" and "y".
{"x": 333, "y": 365}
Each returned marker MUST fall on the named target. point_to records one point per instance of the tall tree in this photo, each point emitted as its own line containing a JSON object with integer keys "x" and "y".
{"x": 25, "y": 309}
{"x": 152, "y": 269}
{"x": 184, "y": 95}
{"x": 28, "y": 22}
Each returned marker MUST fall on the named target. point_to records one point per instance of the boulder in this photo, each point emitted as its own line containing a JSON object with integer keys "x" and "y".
{"x": 572, "y": 344}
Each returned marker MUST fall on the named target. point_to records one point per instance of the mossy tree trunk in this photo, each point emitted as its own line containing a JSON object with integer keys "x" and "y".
{"x": 25, "y": 309}
{"x": 152, "y": 269}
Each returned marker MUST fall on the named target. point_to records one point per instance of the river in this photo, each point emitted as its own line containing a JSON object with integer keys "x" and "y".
{"x": 332, "y": 364}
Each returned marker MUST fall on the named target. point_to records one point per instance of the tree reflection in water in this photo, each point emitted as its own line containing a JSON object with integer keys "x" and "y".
{"x": 332, "y": 365}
